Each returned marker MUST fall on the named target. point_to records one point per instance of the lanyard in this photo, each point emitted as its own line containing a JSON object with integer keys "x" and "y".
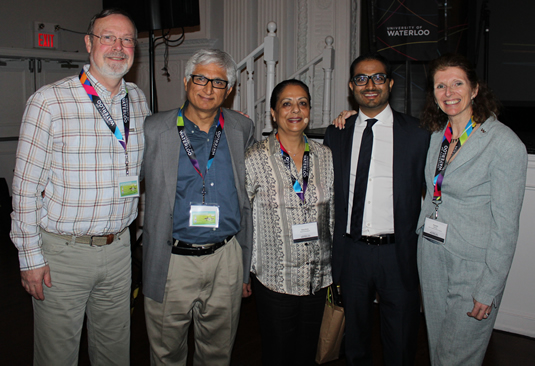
{"x": 442, "y": 164}
{"x": 188, "y": 147}
{"x": 305, "y": 168}
{"x": 106, "y": 116}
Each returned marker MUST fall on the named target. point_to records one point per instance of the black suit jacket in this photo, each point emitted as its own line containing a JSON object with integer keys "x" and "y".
{"x": 410, "y": 150}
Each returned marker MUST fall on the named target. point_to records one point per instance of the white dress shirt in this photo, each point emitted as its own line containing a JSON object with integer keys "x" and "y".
{"x": 379, "y": 204}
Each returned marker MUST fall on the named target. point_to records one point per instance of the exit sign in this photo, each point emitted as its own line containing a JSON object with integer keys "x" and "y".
{"x": 46, "y": 35}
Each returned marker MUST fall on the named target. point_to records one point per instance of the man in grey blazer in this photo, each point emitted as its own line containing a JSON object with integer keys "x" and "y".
{"x": 197, "y": 232}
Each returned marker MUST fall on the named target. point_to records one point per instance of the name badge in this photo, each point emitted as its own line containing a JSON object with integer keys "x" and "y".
{"x": 204, "y": 216}
{"x": 128, "y": 186}
{"x": 435, "y": 231}
{"x": 305, "y": 232}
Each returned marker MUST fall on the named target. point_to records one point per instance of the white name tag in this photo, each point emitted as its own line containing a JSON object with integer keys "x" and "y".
{"x": 128, "y": 186}
{"x": 305, "y": 232}
{"x": 204, "y": 216}
{"x": 435, "y": 231}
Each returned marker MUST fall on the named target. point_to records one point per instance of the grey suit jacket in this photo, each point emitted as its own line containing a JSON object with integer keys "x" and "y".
{"x": 160, "y": 169}
{"x": 482, "y": 195}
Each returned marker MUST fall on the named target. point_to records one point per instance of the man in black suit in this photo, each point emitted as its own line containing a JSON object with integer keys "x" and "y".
{"x": 379, "y": 160}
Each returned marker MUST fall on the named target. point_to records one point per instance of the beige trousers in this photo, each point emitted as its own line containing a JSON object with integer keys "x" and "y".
{"x": 206, "y": 290}
{"x": 86, "y": 280}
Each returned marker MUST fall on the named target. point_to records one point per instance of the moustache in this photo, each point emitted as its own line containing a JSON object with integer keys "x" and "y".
{"x": 117, "y": 55}
{"x": 370, "y": 91}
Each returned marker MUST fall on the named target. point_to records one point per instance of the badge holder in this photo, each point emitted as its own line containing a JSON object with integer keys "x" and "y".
{"x": 204, "y": 215}
{"x": 305, "y": 232}
{"x": 128, "y": 186}
{"x": 434, "y": 230}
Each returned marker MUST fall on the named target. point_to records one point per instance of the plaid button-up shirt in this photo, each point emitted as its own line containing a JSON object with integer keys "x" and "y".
{"x": 68, "y": 163}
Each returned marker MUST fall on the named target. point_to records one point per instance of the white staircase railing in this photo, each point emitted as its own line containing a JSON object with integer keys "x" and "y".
{"x": 258, "y": 107}
{"x": 270, "y": 50}
{"x": 307, "y": 74}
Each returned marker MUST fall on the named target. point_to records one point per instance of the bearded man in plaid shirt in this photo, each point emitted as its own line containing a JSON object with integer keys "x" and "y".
{"x": 75, "y": 191}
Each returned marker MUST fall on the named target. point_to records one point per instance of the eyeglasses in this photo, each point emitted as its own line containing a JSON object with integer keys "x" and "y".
{"x": 109, "y": 40}
{"x": 203, "y": 80}
{"x": 362, "y": 79}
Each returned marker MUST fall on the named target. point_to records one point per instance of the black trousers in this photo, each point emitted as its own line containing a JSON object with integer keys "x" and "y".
{"x": 368, "y": 270}
{"x": 289, "y": 325}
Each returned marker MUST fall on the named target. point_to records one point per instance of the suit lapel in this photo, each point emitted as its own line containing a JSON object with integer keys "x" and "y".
{"x": 235, "y": 141}
{"x": 401, "y": 139}
{"x": 468, "y": 151}
{"x": 171, "y": 147}
{"x": 346, "y": 148}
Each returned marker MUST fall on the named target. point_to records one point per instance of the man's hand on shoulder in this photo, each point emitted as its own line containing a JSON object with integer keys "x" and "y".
{"x": 32, "y": 281}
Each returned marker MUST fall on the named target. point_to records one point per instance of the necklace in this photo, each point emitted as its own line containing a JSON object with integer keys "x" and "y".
{"x": 298, "y": 150}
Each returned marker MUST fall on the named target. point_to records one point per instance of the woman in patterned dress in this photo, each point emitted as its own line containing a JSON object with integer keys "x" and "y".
{"x": 289, "y": 181}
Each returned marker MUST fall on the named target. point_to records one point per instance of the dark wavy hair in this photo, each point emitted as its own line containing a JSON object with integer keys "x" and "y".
{"x": 484, "y": 105}
{"x": 277, "y": 91}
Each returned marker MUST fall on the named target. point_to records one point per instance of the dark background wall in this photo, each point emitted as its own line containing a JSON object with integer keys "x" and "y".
{"x": 507, "y": 62}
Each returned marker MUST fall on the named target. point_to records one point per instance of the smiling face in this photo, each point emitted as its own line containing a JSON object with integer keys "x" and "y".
{"x": 372, "y": 99}
{"x": 206, "y": 99}
{"x": 454, "y": 93}
{"x": 292, "y": 110}
{"x": 110, "y": 62}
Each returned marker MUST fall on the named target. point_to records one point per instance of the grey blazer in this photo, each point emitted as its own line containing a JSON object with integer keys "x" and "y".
{"x": 482, "y": 196}
{"x": 160, "y": 169}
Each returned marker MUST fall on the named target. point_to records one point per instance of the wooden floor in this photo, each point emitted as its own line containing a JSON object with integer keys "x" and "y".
{"x": 16, "y": 331}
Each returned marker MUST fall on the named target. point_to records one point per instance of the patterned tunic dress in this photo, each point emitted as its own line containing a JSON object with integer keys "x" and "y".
{"x": 280, "y": 264}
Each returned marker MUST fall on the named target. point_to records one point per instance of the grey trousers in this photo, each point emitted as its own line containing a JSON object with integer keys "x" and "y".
{"x": 88, "y": 280}
{"x": 447, "y": 283}
{"x": 206, "y": 290}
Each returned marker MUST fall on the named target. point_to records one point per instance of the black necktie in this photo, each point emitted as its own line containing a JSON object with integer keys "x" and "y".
{"x": 361, "y": 180}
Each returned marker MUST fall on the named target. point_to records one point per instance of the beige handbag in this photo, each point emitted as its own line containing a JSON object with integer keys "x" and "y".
{"x": 332, "y": 327}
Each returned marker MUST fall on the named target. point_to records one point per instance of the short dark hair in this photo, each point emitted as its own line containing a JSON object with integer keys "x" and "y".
{"x": 107, "y": 12}
{"x": 484, "y": 105}
{"x": 371, "y": 57}
{"x": 277, "y": 91}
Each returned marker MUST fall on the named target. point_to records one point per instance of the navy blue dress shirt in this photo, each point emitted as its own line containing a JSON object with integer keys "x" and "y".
{"x": 220, "y": 188}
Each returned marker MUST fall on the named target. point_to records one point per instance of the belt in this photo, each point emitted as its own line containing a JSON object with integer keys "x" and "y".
{"x": 182, "y": 248}
{"x": 377, "y": 239}
{"x": 93, "y": 240}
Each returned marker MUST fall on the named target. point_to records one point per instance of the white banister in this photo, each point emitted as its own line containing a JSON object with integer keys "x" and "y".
{"x": 258, "y": 108}
{"x": 308, "y": 71}
{"x": 271, "y": 56}
{"x": 270, "y": 50}
{"x": 327, "y": 66}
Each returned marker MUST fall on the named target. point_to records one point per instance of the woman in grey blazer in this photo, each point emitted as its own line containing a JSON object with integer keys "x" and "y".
{"x": 475, "y": 176}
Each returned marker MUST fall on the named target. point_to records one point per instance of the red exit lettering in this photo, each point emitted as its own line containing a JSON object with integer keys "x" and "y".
{"x": 46, "y": 40}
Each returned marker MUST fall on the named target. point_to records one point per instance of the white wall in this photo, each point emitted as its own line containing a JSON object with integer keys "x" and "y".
{"x": 517, "y": 312}
{"x": 17, "y": 19}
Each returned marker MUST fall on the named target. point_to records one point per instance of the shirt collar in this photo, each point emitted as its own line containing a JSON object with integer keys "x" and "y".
{"x": 101, "y": 90}
{"x": 189, "y": 125}
{"x": 385, "y": 118}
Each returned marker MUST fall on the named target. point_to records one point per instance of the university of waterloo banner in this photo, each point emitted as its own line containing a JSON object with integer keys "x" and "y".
{"x": 406, "y": 29}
